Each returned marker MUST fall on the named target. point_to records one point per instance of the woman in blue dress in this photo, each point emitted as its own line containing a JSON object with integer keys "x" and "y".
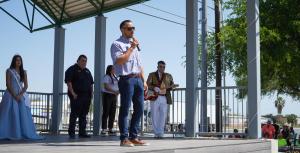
{"x": 15, "y": 117}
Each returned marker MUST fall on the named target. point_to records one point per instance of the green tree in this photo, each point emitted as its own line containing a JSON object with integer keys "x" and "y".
{"x": 292, "y": 119}
{"x": 280, "y": 120}
{"x": 270, "y": 116}
{"x": 279, "y": 43}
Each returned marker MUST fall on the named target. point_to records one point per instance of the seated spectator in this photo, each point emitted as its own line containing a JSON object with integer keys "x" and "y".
{"x": 268, "y": 130}
{"x": 286, "y": 134}
{"x": 180, "y": 128}
{"x": 292, "y": 130}
{"x": 246, "y": 132}
{"x": 235, "y": 135}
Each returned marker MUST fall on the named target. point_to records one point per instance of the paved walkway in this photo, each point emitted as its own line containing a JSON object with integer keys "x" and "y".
{"x": 61, "y": 144}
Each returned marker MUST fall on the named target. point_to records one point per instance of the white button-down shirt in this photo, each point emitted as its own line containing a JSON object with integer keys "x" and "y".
{"x": 133, "y": 65}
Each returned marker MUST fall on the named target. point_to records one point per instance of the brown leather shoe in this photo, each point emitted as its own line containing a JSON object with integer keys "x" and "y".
{"x": 126, "y": 143}
{"x": 138, "y": 142}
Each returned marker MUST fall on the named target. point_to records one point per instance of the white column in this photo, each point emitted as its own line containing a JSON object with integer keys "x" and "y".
{"x": 99, "y": 70}
{"x": 191, "y": 122}
{"x": 58, "y": 74}
{"x": 253, "y": 54}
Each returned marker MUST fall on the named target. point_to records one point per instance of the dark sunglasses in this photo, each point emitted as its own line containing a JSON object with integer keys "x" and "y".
{"x": 162, "y": 67}
{"x": 130, "y": 28}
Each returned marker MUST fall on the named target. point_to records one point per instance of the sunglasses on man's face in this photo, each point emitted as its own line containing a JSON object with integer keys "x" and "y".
{"x": 162, "y": 67}
{"x": 129, "y": 28}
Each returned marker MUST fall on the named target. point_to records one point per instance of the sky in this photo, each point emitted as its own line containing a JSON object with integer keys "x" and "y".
{"x": 159, "y": 40}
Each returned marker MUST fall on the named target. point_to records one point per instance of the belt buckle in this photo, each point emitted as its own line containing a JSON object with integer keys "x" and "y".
{"x": 132, "y": 75}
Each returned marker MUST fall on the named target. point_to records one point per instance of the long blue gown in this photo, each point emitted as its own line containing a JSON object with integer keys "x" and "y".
{"x": 15, "y": 117}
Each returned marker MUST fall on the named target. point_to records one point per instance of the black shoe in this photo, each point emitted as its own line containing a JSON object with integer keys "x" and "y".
{"x": 103, "y": 133}
{"x": 72, "y": 136}
{"x": 112, "y": 133}
{"x": 158, "y": 137}
{"x": 84, "y": 136}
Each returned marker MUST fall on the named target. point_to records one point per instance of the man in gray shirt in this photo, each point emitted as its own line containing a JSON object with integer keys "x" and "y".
{"x": 127, "y": 63}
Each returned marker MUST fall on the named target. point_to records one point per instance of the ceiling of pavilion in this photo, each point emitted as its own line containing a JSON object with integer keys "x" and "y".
{"x": 66, "y": 11}
{"x": 60, "y": 12}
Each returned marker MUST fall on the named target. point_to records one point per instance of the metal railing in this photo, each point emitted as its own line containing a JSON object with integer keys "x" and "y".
{"x": 66, "y": 110}
{"x": 41, "y": 106}
{"x": 233, "y": 111}
{"x": 175, "y": 116}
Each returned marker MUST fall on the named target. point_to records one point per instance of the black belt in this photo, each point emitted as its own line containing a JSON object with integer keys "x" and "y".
{"x": 104, "y": 92}
{"x": 162, "y": 94}
{"x": 107, "y": 93}
{"x": 131, "y": 76}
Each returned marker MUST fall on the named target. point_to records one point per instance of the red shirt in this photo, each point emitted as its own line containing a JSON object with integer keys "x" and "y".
{"x": 268, "y": 131}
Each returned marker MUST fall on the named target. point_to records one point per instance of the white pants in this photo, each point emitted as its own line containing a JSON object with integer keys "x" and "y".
{"x": 159, "y": 109}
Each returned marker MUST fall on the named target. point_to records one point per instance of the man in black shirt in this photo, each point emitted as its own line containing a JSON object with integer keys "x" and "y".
{"x": 286, "y": 134}
{"x": 277, "y": 129}
{"x": 80, "y": 88}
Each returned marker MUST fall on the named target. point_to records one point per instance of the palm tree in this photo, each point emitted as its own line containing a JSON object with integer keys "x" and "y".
{"x": 292, "y": 119}
{"x": 279, "y": 104}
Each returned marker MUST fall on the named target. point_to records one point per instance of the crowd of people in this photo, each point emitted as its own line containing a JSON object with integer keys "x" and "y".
{"x": 274, "y": 131}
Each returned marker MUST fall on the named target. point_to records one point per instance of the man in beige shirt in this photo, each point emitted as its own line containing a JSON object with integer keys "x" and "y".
{"x": 161, "y": 84}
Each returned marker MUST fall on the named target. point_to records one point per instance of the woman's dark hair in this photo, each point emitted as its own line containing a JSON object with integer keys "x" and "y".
{"x": 108, "y": 69}
{"x": 108, "y": 72}
{"x": 13, "y": 66}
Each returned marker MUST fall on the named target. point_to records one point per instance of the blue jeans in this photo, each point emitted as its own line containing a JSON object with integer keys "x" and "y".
{"x": 131, "y": 89}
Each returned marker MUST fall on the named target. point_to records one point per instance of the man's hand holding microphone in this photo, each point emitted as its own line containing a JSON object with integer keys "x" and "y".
{"x": 135, "y": 44}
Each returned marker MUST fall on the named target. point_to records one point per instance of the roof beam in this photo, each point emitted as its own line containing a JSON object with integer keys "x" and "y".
{"x": 3, "y": 1}
{"x": 27, "y": 16}
{"x": 99, "y": 2}
{"x": 102, "y": 5}
{"x": 50, "y": 10}
{"x": 94, "y": 4}
{"x": 55, "y": 10}
{"x": 32, "y": 17}
{"x": 56, "y": 4}
{"x": 44, "y": 28}
{"x": 39, "y": 4}
{"x": 14, "y": 18}
{"x": 42, "y": 13}
{"x": 62, "y": 11}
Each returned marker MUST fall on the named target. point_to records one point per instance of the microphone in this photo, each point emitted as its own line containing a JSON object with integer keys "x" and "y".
{"x": 137, "y": 46}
